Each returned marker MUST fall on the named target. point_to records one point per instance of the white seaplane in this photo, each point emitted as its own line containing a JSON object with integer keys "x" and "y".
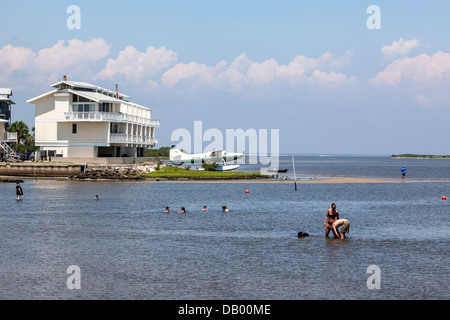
{"x": 179, "y": 157}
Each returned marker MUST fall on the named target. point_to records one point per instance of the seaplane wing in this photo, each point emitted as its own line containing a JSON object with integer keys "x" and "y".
{"x": 179, "y": 157}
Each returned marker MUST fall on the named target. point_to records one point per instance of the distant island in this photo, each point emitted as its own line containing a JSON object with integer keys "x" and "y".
{"x": 421, "y": 156}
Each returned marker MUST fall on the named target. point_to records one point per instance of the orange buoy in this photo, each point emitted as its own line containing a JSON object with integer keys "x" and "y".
{"x": 247, "y": 191}
{"x": 444, "y": 198}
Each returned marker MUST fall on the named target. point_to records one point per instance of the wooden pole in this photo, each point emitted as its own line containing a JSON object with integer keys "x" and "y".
{"x": 295, "y": 178}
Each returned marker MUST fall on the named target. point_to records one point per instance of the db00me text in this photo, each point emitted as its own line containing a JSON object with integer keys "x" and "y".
{"x": 235, "y": 309}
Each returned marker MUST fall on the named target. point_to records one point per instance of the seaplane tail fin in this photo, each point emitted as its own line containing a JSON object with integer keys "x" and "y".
{"x": 176, "y": 155}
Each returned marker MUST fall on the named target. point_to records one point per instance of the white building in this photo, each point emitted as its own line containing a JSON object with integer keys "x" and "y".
{"x": 81, "y": 120}
{"x": 6, "y": 138}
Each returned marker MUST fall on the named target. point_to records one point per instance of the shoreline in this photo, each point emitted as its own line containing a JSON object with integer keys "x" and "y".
{"x": 10, "y": 179}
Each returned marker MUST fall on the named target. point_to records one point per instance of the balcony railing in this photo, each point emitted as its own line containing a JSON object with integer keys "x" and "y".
{"x": 11, "y": 136}
{"x": 110, "y": 117}
{"x": 131, "y": 139}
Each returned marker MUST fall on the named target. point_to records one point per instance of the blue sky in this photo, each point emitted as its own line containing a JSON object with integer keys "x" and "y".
{"x": 311, "y": 69}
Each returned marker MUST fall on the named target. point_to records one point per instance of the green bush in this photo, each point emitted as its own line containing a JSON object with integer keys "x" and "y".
{"x": 210, "y": 166}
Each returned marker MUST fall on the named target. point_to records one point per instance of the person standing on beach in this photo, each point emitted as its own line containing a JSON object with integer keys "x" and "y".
{"x": 403, "y": 172}
{"x": 19, "y": 191}
{"x": 332, "y": 216}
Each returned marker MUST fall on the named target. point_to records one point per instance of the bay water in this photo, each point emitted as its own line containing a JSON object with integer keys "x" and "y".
{"x": 126, "y": 247}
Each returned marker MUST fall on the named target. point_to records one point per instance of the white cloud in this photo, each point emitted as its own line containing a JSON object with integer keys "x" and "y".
{"x": 14, "y": 59}
{"x": 245, "y": 73}
{"x": 422, "y": 80}
{"x": 75, "y": 53}
{"x": 399, "y": 48}
{"x": 155, "y": 68}
{"x": 49, "y": 63}
{"x": 422, "y": 69}
{"x": 136, "y": 65}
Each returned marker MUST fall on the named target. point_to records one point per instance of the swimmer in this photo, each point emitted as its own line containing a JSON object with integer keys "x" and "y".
{"x": 167, "y": 209}
{"x": 224, "y": 209}
{"x": 183, "y": 210}
{"x": 96, "y": 197}
{"x": 205, "y": 208}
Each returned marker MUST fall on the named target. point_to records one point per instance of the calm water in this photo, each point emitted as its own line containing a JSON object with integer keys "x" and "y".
{"x": 127, "y": 248}
{"x": 307, "y": 167}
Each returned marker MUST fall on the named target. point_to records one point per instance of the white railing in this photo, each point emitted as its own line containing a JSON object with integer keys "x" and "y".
{"x": 110, "y": 117}
{"x": 155, "y": 123}
{"x": 11, "y": 136}
{"x": 131, "y": 139}
{"x": 6, "y": 148}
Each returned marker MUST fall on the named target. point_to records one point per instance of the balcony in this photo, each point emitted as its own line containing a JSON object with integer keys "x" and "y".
{"x": 131, "y": 139}
{"x": 10, "y": 137}
{"x": 109, "y": 117}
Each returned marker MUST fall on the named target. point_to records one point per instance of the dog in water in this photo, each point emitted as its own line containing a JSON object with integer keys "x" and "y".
{"x": 302, "y": 234}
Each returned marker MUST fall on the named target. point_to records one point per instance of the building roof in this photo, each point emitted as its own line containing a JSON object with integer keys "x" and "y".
{"x": 95, "y": 96}
{"x": 6, "y": 99}
{"x": 77, "y": 84}
{"x": 33, "y": 100}
{"x": 88, "y": 91}
{"x": 85, "y": 85}
{"x": 5, "y": 92}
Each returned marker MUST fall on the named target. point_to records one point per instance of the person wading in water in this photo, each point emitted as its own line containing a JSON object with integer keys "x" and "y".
{"x": 332, "y": 216}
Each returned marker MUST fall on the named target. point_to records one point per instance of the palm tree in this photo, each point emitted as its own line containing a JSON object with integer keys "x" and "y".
{"x": 29, "y": 139}
{"x": 22, "y": 131}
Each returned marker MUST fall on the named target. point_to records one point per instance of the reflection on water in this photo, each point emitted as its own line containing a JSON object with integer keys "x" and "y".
{"x": 128, "y": 248}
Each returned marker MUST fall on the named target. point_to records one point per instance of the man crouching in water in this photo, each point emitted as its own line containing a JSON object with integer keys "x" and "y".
{"x": 345, "y": 227}
{"x": 332, "y": 216}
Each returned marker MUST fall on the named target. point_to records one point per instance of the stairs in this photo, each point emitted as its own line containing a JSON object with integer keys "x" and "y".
{"x": 5, "y": 148}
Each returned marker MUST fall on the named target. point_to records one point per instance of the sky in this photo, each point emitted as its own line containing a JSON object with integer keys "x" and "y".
{"x": 331, "y": 76}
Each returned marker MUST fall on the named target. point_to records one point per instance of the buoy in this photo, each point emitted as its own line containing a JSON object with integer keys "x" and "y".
{"x": 444, "y": 198}
{"x": 247, "y": 191}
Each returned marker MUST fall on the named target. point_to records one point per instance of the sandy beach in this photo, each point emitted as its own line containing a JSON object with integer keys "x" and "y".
{"x": 241, "y": 181}
{"x": 325, "y": 180}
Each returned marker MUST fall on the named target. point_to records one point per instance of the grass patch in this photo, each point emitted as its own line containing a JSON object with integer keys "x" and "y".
{"x": 174, "y": 173}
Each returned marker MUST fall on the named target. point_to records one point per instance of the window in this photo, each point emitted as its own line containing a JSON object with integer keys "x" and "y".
{"x": 79, "y": 107}
{"x": 74, "y": 128}
{"x": 3, "y": 108}
{"x": 76, "y": 98}
{"x": 105, "y": 107}
{"x": 114, "y": 127}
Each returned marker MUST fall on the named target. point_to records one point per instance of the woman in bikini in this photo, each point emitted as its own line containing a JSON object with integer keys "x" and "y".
{"x": 332, "y": 216}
